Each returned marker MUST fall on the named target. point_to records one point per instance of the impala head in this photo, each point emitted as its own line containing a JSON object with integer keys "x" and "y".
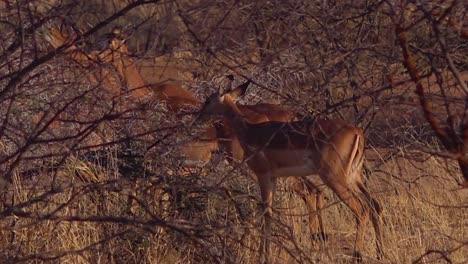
{"x": 115, "y": 38}
{"x": 218, "y": 104}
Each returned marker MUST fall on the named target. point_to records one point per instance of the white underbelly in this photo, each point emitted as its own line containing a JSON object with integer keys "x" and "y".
{"x": 293, "y": 162}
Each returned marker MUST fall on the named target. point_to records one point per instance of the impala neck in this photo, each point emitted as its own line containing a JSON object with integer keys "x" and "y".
{"x": 235, "y": 118}
{"x": 127, "y": 68}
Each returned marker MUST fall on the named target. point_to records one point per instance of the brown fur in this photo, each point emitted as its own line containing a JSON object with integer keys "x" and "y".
{"x": 330, "y": 148}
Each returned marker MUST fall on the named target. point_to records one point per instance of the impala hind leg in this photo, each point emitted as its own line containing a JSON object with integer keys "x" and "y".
{"x": 315, "y": 216}
{"x": 356, "y": 201}
{"x": 376, "y": 218}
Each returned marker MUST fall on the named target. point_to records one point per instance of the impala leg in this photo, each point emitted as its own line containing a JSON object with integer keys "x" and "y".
{"x": 313, "y": 199}
{"x": 373, "y": 208}
{"x": 267, "y": 189}
{"x": 362, "y": 217}
{"x": 376, "y": 218}
{"x": 315, "y": 210}
{"x": 377, "y": 223}
{"x": 352, "y": 196}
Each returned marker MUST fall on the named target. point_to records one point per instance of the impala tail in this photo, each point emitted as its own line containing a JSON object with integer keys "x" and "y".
{"x": 356, "y": 159}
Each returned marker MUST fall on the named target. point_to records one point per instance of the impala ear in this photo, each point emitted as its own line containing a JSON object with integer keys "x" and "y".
{"x": 239, "y": 90}
{"x": 221, "y": 91}
{"x": 230, "y": 78}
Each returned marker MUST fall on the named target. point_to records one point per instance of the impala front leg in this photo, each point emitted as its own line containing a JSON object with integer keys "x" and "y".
{"x": 267, "y": 190}
{"x": 313, "y": 198}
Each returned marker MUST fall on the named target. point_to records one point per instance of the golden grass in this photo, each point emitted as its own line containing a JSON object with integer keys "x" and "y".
{"x": 85, "y": 218}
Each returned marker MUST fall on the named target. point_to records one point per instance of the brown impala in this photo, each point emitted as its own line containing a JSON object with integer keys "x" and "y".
{"x": 332, "y": 149}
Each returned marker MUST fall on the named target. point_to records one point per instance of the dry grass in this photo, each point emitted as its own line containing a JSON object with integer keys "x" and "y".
{"x": 82, "y": 216}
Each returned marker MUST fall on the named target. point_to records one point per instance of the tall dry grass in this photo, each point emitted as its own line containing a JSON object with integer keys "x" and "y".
{"x": 82, "y": 215}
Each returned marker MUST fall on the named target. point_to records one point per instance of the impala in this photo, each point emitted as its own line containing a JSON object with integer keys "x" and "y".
{"x": 330, "y": 148}
{"x": 118, "y": 56}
